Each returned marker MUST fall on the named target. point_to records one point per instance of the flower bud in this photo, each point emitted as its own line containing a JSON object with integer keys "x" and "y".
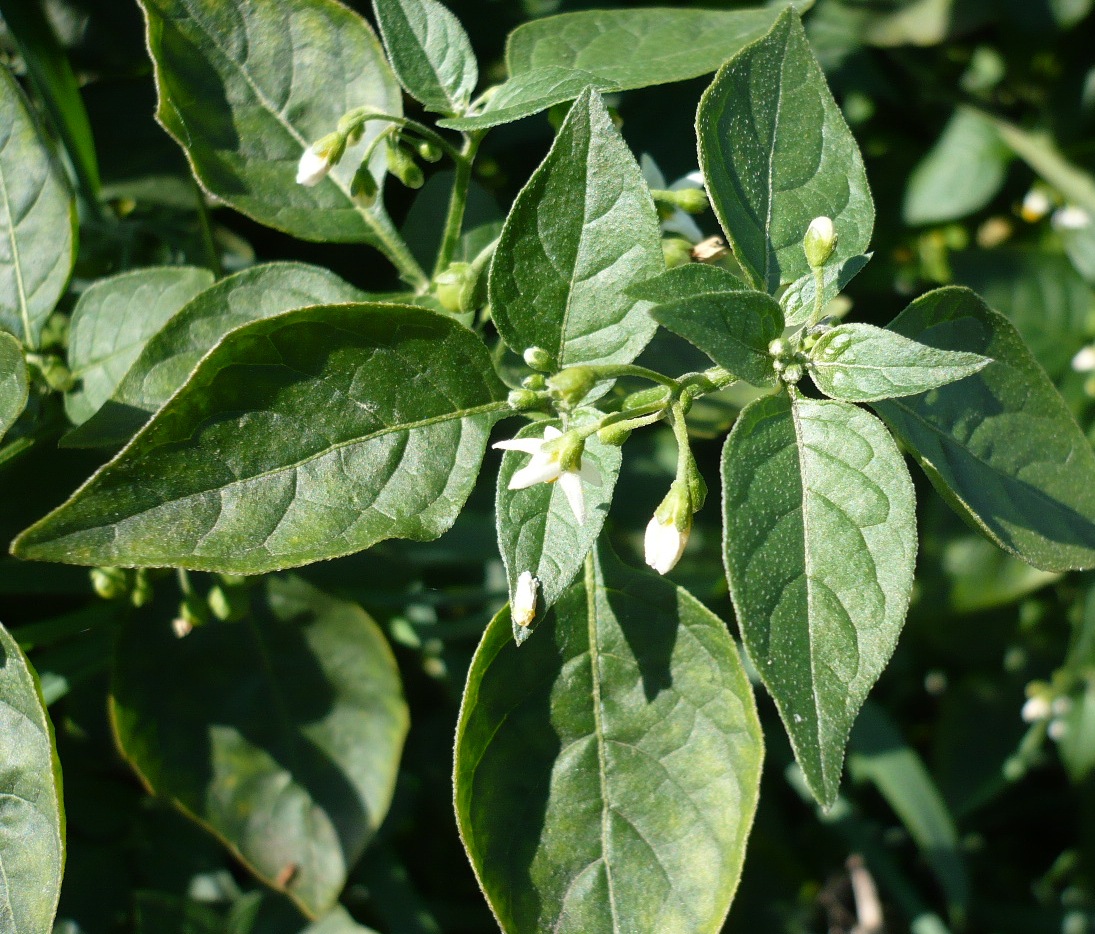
{"x": 539, "y": 359}
{"x": 677, "y": 252}
{"x": 614, "y": 435}
{"x": 523, "y": 607}
{"x": 109, "y": 583}
{"x": 691, "y": 200}
{"x": 319, "y": 158}
{"x": 522, "y": 400}
{"x": 667, "y": 532}
{"x": 573, "y": 384}
{"x": 819, "y": 242}
{"x": 402, "y": 165}
{"x": 1035, "y": 206}
{"x": 535, "y": 382}
{"x": 363, "y": 188}
{"x": 451, "y": 287}
{"x": 778, "y": 347}
{"x": 427, "y": 151}
{"x": 792, "y": 374}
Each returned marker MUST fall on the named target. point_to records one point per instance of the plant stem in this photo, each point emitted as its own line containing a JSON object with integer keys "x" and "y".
{"x": 819, "y": 288}
{"x": 212, "y": 257}
{"x": 612, "y": 371}
{"x": 458, "y": 201}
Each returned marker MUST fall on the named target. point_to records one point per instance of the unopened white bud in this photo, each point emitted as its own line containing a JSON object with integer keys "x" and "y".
{"x": 1084, "y": 361}
{"x": 664, "y": 544}
{"x": 313, "y": 167}
{"x": 523, "y": 608}
{"x": 181, "y": 627}
{"x": 820, "y": 241}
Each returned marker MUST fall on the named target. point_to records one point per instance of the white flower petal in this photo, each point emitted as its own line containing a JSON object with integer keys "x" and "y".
{"x": 312, "y": 168}
{"x": 589, "y": 474}
{"x": 1071, "y": 218}
{"x": 528, "y": 445}
{"x": 551, "y": 433}
{"x": 1084, "y": 361}
{"x": 538, "y": 470}
{"x": 572, "y": 486}
{"x": 664, "y": 544}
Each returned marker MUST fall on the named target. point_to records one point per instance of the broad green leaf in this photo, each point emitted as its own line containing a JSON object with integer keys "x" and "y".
{"x": 683, "y": 283}
{"x": 1041, "y": 153}
{"x": 430, "y": 52}
{"x": 861, "y": 363}
{"x": 607, "y": 771}
{"x": 733, "y": 328}
{"x": 14, "y": 387}
{"x": 1001, "y": 446}
{"x": 553, "y": 59}
{"x": 171, "y": 354}
{"x": 960, "y": 174}
{"x": 48, "y": 67}
{"x": 280, "y": 733}
{"x": 580, "y": 232}
{"x": 878, "y": 753}
{"x": 820, "y": 543}
{"x": 537, "y": 529}
{"x": 306, "y": 436}
{"x": 1039, "y": 292}
{"x": 776, "y": 153}
{"x": 112, "y": 323}
{"x": 245, "y": 88}
{"x": 32, "y": 816}
{"x": 37, "y": 220}
{"x": 799, "y": 300}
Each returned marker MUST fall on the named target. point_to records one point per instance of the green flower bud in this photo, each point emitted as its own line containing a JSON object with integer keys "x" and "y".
{"x": 522, "y": 400}
{"x": 535, "y": 382}
{"x": 691, "y": 200}
{"x": 677, "y": 252}
{"x": 573, "y": 384}
{"x": 615, "y": 435}
{"x": 652, "y": 395}
{"x": 402, "y": 165}
{"x": 109, "y": 583}
{"x": 430, "y": 152}
{"x": 363, "y": 188}
{"x": 792, "y": 374}
{"x": 141, "y": 594}
{"x": 539, "y": 359}
{"x": 778, "y": 347}
{"x": 819, "y": 242}
{"x": 454, "y": 286}
{"x": 220, "y": 604}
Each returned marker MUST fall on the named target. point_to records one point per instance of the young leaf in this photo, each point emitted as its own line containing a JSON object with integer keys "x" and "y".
{"x": 171, "y": 354}
{"x": 733, "y": 328}
{"x": 960, "y": 174}
{"x": 537, "y": 529}
{"x": 553, "y": 59}
{"x": 684, "y": 283}
{"x": 820, "y": 542}
{"x": 607, "y": 771}
{"x": 800, "y": 299}
{"x": 246, "y": 88}
{"x": 281, "y": 733}
{"x": 37, "y": 220}
{"x": 1002, "y": 447}
{"x": 113, "y": 321}
{"x": 302, "y": 437}
{"x": 14, "y": 387}
{"x": 430, "y": 53}
{"x": 32, "y": 819}
{"x": 581, "y": 230}
{"x": 862, "y": 363}
{"x": 776, "y": 153}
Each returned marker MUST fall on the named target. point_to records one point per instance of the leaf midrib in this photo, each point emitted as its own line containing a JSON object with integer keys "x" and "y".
{"x": 17, "y": 263}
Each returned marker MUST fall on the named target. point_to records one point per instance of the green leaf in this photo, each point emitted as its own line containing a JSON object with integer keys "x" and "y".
{"x": 553, "y": 59}
{"x": 245, "y": 88}
{"x": 820, "y": 543}
{"x": 160, "y": 913}
{"x": 49, "y": 69}
{"x": 112, "y": 323}
{"x": 581, "y": 230}
{"x": 733, "y": 328}
{"x": 878, "y": 753}
{"x": 263, "y": 913}
{"x": 32, "y": 817}
{"x": 776, "y": 153}
{"x": 1001, "y": 447}
{"x": 302, "y": 437}
{"x": 14, "y": 387}
{"x": 607, "y": 771}
{"x": 37, "y": 220}
{"x": 280, "y": 733}
{"x": 960, "y": 174}
{"x": 537, "y": 530}
{"x": 862, "y": 363}
{"x": 430, "y": 53}
{"x": 801, "y": 296}
{"x": 169, "y": 357}
{"x": 683, "y": 283}
{"x": 1039, "y": 292}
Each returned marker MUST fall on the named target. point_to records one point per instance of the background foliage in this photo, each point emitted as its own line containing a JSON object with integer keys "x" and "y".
{"x": 968, "y": 816}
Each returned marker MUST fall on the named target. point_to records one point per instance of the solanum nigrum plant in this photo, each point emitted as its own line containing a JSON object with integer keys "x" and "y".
{"x": 608, "y": 750}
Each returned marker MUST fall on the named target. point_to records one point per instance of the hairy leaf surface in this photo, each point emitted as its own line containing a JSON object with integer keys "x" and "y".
{"x": 281, "y": 733}
{"x": 13, "y": 382}
{"x": 820, "y": 543}
{"x": 1001, "y": 446}
{"x": 776, "y": 153}
{"x": 113, "y": 321}
{"x": 32, "y": 817}
{"x": 37, "y": 220}
{"x": 580, "y": 232}
{"x": 306, "y": 436}
{"x": 607, "y": 771}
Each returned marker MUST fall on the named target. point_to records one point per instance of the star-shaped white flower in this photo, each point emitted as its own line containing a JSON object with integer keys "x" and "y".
{"x": 547, "y": 467}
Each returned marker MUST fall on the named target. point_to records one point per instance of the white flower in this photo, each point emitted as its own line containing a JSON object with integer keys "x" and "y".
{"x": 546, "y": 467}
{"x": 313, "y": 167}
{"x": 523, "y": 608}
{"x": 1071, "y": 218}
{"x": 664, "y": 544}
{"x": 1036, "y": 708}
{"x": 1084, "y": 361}
{"x": 1036, "y": 205}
